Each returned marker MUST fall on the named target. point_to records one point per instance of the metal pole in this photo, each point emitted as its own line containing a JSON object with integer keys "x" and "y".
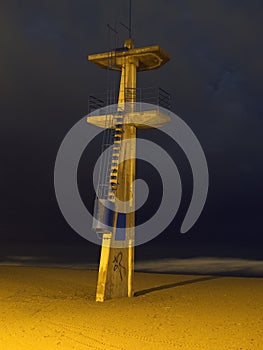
{"x": 130, "y": 20}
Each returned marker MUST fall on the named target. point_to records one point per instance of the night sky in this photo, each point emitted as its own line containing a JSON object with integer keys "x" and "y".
{"x": 214, "y": 77}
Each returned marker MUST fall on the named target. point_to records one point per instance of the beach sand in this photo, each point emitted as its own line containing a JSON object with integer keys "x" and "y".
{"x": 55, "y": 308}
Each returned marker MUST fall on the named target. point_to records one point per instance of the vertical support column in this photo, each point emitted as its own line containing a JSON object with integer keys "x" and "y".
{"x": 130, "y": 188}
{"x": 130, "y": 132}
{"x": 103, "y": 269}
{"x": 117, "y": 264}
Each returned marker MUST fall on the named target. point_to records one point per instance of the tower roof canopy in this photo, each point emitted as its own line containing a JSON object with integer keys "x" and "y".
{"x": 147, "y": 58}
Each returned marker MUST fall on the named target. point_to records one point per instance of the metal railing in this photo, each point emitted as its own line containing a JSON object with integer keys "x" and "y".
{"x": 152, "y": 95}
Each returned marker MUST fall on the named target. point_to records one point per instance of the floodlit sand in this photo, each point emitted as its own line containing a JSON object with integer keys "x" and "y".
{"x": 54, "y": 308}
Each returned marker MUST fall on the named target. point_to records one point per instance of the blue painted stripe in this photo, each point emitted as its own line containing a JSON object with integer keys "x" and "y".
{"x": 120, "y": 234}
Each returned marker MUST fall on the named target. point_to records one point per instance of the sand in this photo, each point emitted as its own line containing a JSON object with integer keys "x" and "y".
{"x": 54, "y": 308}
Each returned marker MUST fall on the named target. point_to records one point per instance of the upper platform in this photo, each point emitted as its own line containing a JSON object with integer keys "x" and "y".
{"x": 147, "y": 58}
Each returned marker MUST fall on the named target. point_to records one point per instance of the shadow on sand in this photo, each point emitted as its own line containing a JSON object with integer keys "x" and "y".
{"x": 176, "y": 284}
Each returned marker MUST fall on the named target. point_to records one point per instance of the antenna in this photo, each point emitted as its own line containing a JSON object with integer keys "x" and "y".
{"x": 113, "y": 30}
{"x": 129, "y": 28}
{"x": 130, "y": 20}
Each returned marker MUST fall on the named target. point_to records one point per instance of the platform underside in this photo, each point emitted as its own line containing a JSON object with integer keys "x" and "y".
{"x": 141, "y": 120}
{"x": 148, "y": 58}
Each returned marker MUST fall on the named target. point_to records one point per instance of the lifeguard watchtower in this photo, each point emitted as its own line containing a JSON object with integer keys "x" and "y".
{"x": 115, "y": 277}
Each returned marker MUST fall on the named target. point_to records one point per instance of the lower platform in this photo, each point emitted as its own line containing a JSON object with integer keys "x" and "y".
{"x": 141, "y": 120}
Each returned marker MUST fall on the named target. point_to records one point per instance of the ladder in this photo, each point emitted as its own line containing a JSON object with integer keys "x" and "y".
{"x": 108, "y": 183}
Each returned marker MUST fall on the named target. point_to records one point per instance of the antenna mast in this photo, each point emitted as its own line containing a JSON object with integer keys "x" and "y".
{"x": 130, "y": 20}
